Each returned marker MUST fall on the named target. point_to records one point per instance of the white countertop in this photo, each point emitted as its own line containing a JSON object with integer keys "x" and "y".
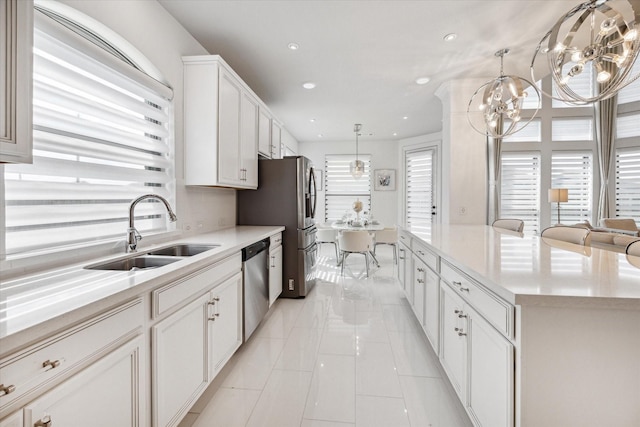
{"x": 39, "y": 304}
{"x": 531, "y": 270}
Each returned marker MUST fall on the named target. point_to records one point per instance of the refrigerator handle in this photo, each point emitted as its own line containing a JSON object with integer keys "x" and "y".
{"x": 313, "y": 192}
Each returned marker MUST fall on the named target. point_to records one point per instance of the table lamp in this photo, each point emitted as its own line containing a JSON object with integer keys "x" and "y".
{"x": 558, "y": 195}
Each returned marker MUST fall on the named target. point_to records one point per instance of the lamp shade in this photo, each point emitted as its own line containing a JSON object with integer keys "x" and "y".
{"x": 558, "y": 195}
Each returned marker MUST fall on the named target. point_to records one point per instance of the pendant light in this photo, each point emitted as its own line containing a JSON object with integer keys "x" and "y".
{"x": 598, "y": 38}
{"x": 495, "y": 107}
{"x": 356, "y": 167}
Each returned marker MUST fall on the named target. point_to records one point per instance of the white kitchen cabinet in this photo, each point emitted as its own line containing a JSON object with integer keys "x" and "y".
{"x": 453, "y": 350}
{"x": 225, "y": 322}
{"x": 404, "y": 258}
{"x": 432, "y": 308}
{"x": 14, "y": 420}
{"x": 419, "y": 279}
{"x": 264, "y": 132}
{"x": 276, "y": 139}
{"x": 221, "y": 125}
{"x": 108, "y": 393}
{"x": 275, "y": 272}
{"x": 16, "y": 59}
{"x": 180, "y": 346}
{"x": 491, "y": 376}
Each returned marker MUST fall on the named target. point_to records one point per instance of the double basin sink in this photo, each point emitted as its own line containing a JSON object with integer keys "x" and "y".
{"x": 154, "y": 259}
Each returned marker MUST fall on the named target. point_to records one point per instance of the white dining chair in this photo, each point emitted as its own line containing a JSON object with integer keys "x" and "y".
{"x": 509, "y": 224}
{"x": 633, "y": 248}
{"x": 328, "y": 236}
{"x": 387, "y": 236}
{"x": 354, "y": 242}
{"x": 576, "y": 235}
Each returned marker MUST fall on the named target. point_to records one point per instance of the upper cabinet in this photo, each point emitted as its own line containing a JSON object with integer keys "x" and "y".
{"x": 276, "y": 138}
{"x": 264, "y": 133}
{"x": 16, "y": 41}
{"x": 221, "y": 125}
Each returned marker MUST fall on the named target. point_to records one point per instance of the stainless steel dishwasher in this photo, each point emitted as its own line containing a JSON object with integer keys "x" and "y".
{"x": 255, "y": 285}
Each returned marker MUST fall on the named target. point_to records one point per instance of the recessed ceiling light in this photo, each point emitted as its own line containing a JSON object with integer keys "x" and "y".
{"x": 320, "y": 135}
{"x": 293, "y": 46}
{"x": 422, "y": 80}
{"x": 405, "y": 118}
{"x": 309, "y": 85}
{"x": 395, "y": 134}
{"x": 312, "y": 120}
{"x": 450, "y": 37}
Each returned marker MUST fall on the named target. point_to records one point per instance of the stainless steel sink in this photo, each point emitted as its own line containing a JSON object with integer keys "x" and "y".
{"x": 142, "y": 262}
{"x": 183, "y": 250}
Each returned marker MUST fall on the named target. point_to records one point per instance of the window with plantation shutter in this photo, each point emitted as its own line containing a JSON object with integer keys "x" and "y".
{"x": 574, "y": 129}
{"x": 628, "y": 183}
{"x": 101, "y": 139}
{"x": 520, "y": 189}
{"x": 573, "y": 171}
{"x": 628, "y": 126}
{"x": 631, "y": 92}
{"x": 419, "y": 188}
{"x": 342, "y": 189}
{"x": 532, "y": 132}
{"x": 582, "y": 84}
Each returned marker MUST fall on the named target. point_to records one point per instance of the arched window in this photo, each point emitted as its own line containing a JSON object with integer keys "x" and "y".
{"x": 103, "y": 135}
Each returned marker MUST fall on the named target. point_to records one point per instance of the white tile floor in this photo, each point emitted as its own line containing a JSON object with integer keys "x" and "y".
{"x": 350, "y": 354}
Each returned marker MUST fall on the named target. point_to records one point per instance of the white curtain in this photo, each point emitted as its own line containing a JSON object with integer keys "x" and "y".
{"x": 494, "y": 159}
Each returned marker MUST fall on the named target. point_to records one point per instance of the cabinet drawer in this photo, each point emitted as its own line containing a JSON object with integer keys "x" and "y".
{"x": 497, "y": 311}
{"x": 405, "y": 237}
{"x": 29, "y": 370}
{"x": 275, "y": 240}
{"x": 425, "y": 254}
{"x": 175, "y": 293}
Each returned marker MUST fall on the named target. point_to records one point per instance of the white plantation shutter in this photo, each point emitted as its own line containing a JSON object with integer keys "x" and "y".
{"x": 342, "y": 189}
{"x": 520, "y": 189}
{"x": 573, "y": 171}
{"x": 101, "y": 139}
{"x": 532, "y": 132}
{"x": 628, "y": 126}
{"x": 631, "y": 92}
{"x": 574, "y": 129}
{"x": 582, "y": 84}
{"x": 628, "y": 183}
{"x": 419, "y": 167}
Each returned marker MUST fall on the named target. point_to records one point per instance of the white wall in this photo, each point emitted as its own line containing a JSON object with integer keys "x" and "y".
{"x": 149, "y": 27}
{"x": 384, "y": 155}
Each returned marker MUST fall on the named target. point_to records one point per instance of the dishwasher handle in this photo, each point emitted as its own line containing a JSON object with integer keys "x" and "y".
{"x": 254, "y": 249}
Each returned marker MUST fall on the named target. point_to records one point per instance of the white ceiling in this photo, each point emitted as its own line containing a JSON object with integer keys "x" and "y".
{"x": 365, "y": 55}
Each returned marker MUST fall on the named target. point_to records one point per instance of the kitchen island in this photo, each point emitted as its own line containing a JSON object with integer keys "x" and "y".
{"x": 531, "y": 332}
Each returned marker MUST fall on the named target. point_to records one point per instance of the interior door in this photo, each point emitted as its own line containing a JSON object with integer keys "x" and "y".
{"x": 421, "y": 188}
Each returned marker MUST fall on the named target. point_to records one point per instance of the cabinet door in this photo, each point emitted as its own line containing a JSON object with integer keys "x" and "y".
{"x": 225, "y": 324}
{"x": 419, "y": 278}
{"x": 275, "y": 274}
{"x": 14, "y": 420}
{"x": 230, "y": 98}
{"x": 453, "y": 353}
{"x": 403, "y": 253}
{"x": 180, "y": 367}
{"x": 249, "y": 141}
{"x": 16, "y": 41}
{"x": 491, "y": 377}
{"x": 432, "y": 307}
{"x": 276, "y": 135}
{"x": 108, "y": 393}
{"x": 264, "y": 133}
{"x": 408, "y": 276}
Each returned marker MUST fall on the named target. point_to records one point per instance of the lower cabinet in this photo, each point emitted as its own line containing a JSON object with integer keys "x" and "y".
{"x": 432, "y": 308}
{"x": 479, "y": 362}
{"x": 190, "y": 346}
{"x": 419, "y": 279}
{"x": 14, "y": 420}
{"x": 275, "y": 274}
{"x": 108, "y": 393}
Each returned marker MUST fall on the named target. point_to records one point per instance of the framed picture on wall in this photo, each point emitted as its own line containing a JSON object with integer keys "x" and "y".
{"x": 384, "y": 179}
{"x": 319, "y": 180}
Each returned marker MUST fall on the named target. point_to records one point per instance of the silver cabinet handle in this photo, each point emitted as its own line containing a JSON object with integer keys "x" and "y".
{"x": 420, "y": 281}
{"x": 420, "y": 252}
{"x": 460, "y": 332}
{"x": 50, "y": 364}
{"x": 44, "y": 422}
{"x": 464, "y": 289}
{"x": 7, "y": 389}
{"x": 213, "y": 319}
{"x": 457, "y": 283}
{"x": 216, "y": 298}
{"x": 420, "y": 269}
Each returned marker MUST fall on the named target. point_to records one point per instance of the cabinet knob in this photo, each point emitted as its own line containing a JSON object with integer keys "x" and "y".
{"x": 50, "y": 364}
{"x": 7, "y": 389}
{"x": 44, "y": 422}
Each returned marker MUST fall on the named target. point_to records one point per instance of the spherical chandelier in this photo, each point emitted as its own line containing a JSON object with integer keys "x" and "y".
{"x": 356, "y": 167}
{"x": 598, "y": 38}
{"x": 495, "y": 109}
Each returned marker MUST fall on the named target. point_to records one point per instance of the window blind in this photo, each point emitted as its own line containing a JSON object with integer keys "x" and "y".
{"x": 100, "y": 140}
{"x": 574, "y": 129}
{"x": 628, "y": 183}
{"x": 582, "y": 84}
{"x": 342, "y": 189}
{"x": 520, "y": 189}
{"x": 628, "y": 125}
{"x": 419, "y": 196}
{"x": 631, "y": 92}
{"x": 573, "y": 171}
{"x": 530, "y": 133}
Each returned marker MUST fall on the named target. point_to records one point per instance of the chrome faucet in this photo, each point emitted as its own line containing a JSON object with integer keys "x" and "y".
{"x": 133, "y": 236}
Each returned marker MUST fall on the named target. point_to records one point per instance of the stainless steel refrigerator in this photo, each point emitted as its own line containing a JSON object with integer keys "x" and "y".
{"x": 286, "y": 195}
